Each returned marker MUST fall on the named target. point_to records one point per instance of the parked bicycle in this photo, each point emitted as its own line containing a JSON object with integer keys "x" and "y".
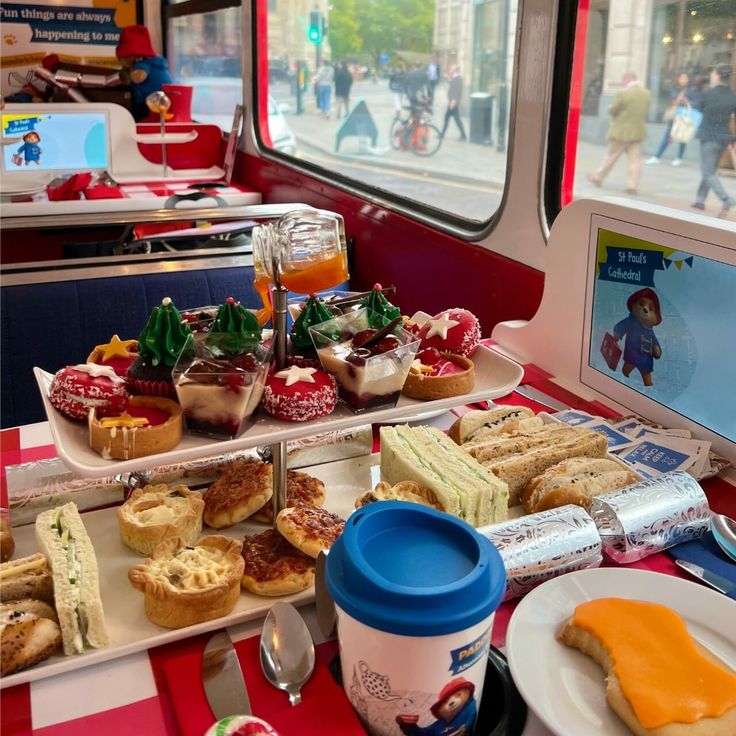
{"x": 415, "y": 131}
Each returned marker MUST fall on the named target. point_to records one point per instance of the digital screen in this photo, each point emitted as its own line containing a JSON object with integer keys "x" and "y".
{"x": 663, "y": 323}
{"x": 66, "y": 141}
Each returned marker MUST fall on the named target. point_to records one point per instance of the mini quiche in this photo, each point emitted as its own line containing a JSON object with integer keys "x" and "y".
{"x": 157, "y": 512}
{"x": 185, "y": 585}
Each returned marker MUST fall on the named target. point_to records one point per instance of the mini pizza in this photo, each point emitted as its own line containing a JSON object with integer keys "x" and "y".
{"x": 299, "y": 394}
{"x": 453, "y": 331}
{"x": 242, "y": 489}
{"x": 185, "y": 585}
{"x": 77, "y": 389}
{"x": 300, "y": 488}
{"x": 309, "y": 528}
{"x": 275, "y": 567}
{"x": 157, "y": 512}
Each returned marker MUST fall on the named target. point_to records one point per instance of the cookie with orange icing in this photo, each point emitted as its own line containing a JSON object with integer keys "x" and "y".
{"x": 117, "y": 354}
{"x": 660, "y": 681}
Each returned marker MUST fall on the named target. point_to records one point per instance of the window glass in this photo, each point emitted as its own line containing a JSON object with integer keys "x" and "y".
{"x": 205, "y": 52}
{"x": 365, "y": 88}
{"x": 655, "y": 123}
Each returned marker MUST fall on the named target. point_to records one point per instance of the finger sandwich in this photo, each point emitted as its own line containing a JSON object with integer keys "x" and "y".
{"x": 462, "y": 486}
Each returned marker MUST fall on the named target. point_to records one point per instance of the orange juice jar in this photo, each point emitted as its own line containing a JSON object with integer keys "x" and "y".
{"x": 308, "y": 249}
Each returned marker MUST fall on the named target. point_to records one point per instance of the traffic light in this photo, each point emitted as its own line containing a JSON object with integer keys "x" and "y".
{"x": 316, "y": 26}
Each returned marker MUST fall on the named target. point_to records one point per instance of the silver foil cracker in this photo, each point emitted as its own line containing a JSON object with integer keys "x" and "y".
{"x": 650, "y": 516}
{"x": 541, "y": 546}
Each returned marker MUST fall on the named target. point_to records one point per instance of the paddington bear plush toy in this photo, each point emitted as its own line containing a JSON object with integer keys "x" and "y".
{"x": 142, "y": 67}
{"x": 641, "y": 347}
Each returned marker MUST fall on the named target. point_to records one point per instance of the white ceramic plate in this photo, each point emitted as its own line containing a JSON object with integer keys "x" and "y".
{"x": 564, "y": 687}
{"x": 495, "y": 375}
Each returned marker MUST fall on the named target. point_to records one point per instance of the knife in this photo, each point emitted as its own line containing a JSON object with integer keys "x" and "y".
{"x": 721, "y": 584}
{"x": 541, "y": 398}
{"x": 223, "y": 679}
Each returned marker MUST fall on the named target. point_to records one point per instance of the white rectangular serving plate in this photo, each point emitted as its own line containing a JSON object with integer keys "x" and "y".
{"x": 129, "y": 629}
{"x": 495, "y": 376}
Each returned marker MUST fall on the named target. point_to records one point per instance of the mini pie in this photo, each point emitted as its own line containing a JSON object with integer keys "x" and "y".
{"x": 405, "y": 490}
{"x": 157, "y": 512}
{"x": 309, "y": 528}
{"x": 150, "y": 425}
{"x": 275, "y": 567}
{"x": 300, "y": 488}
{"x": 242, "y": 489}
{"x": 452, "y": 375}
{"x": 185, "y": 585}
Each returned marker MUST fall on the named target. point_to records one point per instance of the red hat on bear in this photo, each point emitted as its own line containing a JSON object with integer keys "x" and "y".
{"x": 459, "y": 683}
{"x": 134, "y": 41}
{"x": 645, "y": 294}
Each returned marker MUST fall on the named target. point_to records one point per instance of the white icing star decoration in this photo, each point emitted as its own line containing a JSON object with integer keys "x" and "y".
{"x": 440, "y": 325}
{"x": 295, "y": 373}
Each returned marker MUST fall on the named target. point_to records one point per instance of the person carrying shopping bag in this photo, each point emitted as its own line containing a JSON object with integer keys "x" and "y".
{"x": 685, "y": 96}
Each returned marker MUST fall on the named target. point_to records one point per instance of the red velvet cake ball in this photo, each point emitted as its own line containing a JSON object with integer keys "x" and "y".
{"x": 298, "y": 394}
{"x": 77, "y": 388}
{"x": 453, "y": 331}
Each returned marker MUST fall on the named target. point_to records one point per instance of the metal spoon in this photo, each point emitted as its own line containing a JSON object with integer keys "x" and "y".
{"x": 724, "y": 532}
{"x": 287, "y": 650}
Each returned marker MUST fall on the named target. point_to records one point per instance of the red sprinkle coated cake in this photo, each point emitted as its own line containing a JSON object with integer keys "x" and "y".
{"x": 76, "y": 389}
{"x": 298, "y": 394}
{"x": 454, "y": 331}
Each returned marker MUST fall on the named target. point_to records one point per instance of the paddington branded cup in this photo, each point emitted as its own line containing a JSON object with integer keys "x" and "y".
{"x": 415, "y": 592}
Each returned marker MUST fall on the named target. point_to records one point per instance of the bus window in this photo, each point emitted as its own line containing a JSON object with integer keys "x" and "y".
{"x": 410, "y": 98}
{"x": 642, "y": 84}
{"x": 204, "y": 50}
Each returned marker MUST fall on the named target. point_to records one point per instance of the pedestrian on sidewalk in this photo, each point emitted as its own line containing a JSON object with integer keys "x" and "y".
{"x": 433, "y": 76}
{"x": 626, "y": 131}
{"x": 323, "y": 82}
{"x": 343, "y": 83}
{"x": 397, "y": 84}
{"x": 454, "y": 95}
{"x": 685, "y": 94}
{"x": 416, "y": 87}
{"x": 715, "y": 134}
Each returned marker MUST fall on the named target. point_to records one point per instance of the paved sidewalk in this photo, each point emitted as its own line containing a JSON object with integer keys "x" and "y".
{"x": 480, "y": 165}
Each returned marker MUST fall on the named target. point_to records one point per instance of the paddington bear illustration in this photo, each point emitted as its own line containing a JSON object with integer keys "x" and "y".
{"x": 30, "y": 149}
{"x": 641, "y": 347}
{"x": 455, "y": 711}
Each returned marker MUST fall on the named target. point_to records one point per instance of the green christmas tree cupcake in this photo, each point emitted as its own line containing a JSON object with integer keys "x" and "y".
{"x": 235, "y": 329}
{"x": 301, "y": 350}
{"x": 159, "y": 346}
{"x": 381, "y": 311}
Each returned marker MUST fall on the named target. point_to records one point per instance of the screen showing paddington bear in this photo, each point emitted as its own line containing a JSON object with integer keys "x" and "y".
{"x": 664, "y": 324}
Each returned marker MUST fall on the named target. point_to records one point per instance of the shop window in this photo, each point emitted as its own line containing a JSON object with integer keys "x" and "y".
{"x": 665, "y": 51}
{"x": 385, "y": 133}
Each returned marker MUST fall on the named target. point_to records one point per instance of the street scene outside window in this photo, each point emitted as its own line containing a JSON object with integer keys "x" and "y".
{"x": 658, "y": 104}
{"x": 413, "y": 97}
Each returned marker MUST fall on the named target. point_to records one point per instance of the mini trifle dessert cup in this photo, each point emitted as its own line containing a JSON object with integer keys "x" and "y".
{"x": 219, "y": 381}
{"x": 370, "y": 365}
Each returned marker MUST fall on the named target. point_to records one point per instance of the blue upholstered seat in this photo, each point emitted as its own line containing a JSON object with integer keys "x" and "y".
{"x": 55, "y": 324}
